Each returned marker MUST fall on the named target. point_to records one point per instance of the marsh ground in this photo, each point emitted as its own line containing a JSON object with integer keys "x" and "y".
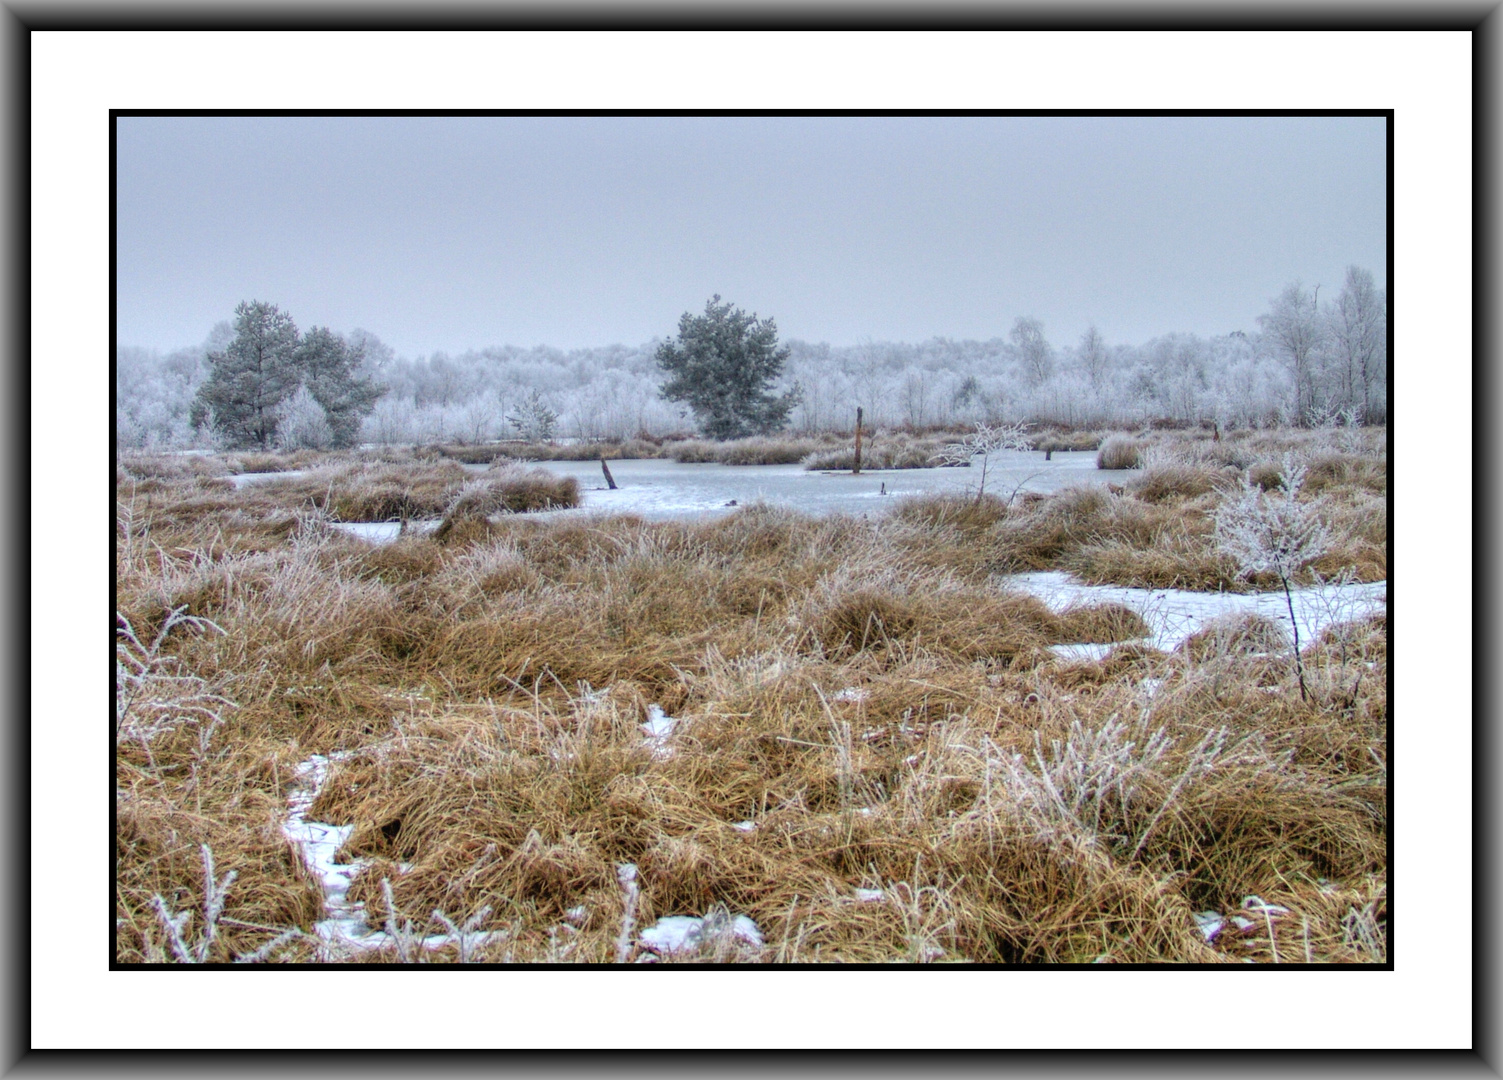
{"x": 860, "y": 734}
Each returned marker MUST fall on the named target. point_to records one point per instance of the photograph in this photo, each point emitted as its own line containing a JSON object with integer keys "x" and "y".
{"x": 751, "y": 537}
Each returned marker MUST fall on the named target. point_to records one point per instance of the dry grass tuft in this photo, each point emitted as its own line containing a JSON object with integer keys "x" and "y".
{"x": 1119, "y": 452}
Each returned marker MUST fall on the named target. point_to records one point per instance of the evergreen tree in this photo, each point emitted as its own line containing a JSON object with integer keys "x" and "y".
{"x": 722, "y": 365}
{"x": 251, "y": 377}
{"x": 329, "y": 367}
{"x": 532, "y": 419}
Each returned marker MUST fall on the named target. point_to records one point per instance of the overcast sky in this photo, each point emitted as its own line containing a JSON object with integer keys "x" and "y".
{"x": 457, "y": 233}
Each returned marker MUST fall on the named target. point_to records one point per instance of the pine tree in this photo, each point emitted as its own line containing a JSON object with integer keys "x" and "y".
{"x": 532, "y": 419}
{"x": 251, "y": 377}
{"x": 329, "y": 368}
{"x": 722, "y": 365}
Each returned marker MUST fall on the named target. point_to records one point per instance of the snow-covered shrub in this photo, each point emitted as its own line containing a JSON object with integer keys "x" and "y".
{"x": 302, "y": 424}
{"x": 152, "y": 692}
{"x": 1274, "y": 533}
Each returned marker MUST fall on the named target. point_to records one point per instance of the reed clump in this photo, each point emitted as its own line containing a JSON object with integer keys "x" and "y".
{"x": 1119, "y": 452}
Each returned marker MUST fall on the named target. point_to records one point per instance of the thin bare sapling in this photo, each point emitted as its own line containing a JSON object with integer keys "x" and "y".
{"x": 986, "y": 440}
{"x": 1274, "y": 533}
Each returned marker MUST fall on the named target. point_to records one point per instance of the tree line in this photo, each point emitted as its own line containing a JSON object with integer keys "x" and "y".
{"x": 1315, "y": 353}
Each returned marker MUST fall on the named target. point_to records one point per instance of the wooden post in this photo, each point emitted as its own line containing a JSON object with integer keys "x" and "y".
{"x": 857, "y": 470}
{"x": 607, "y": 470}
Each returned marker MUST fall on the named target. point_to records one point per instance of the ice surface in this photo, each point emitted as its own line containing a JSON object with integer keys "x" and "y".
{"x": 1174, "y": 614}
{"x": 869, "y": 896}
{"x": 660, "y": 488}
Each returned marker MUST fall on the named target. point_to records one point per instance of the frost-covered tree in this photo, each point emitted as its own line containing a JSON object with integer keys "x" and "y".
{"x": 1093, "y": 355}
{"x": 251, "y": 376}
{"x": 302, "y": 423}
{"x": 723, "y": 365}
{"x": 533, "y": 419}
{"x": 1027, "y": 336}
{"x": 330, "y": 369}
{"x": 1295, "y": 329}
{"x": 985, "y": 441}
{"x": 1358, "y": 336}
{"x": 1274, "y": 533}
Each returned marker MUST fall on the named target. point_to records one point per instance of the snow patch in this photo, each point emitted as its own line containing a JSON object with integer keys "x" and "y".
{"x": 1173, "y": 615}
{"x": 1209, "y": 923}
{"x": 383, "y": 532}
{"x": 659, "y": 727}
{"x": 1083, "y": 651}
{"x": 317, "y": 844}
{"x": 870, "y": 896}
{"x": 1257, "y": 903}
{"x": 686, "y": 933}
{"x": 852, "y": 693}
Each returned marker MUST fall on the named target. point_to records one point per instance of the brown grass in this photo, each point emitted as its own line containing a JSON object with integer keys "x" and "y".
{"x": 1119, "y": 452}
{"x": 864, "y": 693}
{"x": 884, "y": 450}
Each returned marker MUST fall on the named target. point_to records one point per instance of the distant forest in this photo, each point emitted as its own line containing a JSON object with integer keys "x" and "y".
{"x": 1310, "y": 359}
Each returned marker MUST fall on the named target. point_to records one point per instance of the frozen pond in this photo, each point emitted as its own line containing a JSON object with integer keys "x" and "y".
{"x": 657, "y": 488}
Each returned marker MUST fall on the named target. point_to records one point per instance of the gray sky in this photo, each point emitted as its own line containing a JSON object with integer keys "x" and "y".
{"x": 456, "y": 233}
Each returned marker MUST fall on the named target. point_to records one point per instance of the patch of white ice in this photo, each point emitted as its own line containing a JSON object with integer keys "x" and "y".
{"x": 744, "y": 826}
{"x": 869, "y": 896}
{"x": 1173, "y": 615}
{"x": 852, "y": 693}
{"x": 377, "y": 532}
{"x": 659, "y": 727}
{"x": 241, "y": 479}
{"x": 383, "y": 532}
{"x": 1209, "y": 923}
{"x": 686, "y": 933}
{"x": 1083, "y": 651}
{"x": 1257, "y": 903}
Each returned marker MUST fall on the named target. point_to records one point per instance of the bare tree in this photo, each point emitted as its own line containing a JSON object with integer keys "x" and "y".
{"x": 1093, "y": 356}
{"x": 983, "y": 442}
{"x": 1027, "y": 337}
{"x": 1358, "y": 328}
{"x": 1294, "y": 327}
